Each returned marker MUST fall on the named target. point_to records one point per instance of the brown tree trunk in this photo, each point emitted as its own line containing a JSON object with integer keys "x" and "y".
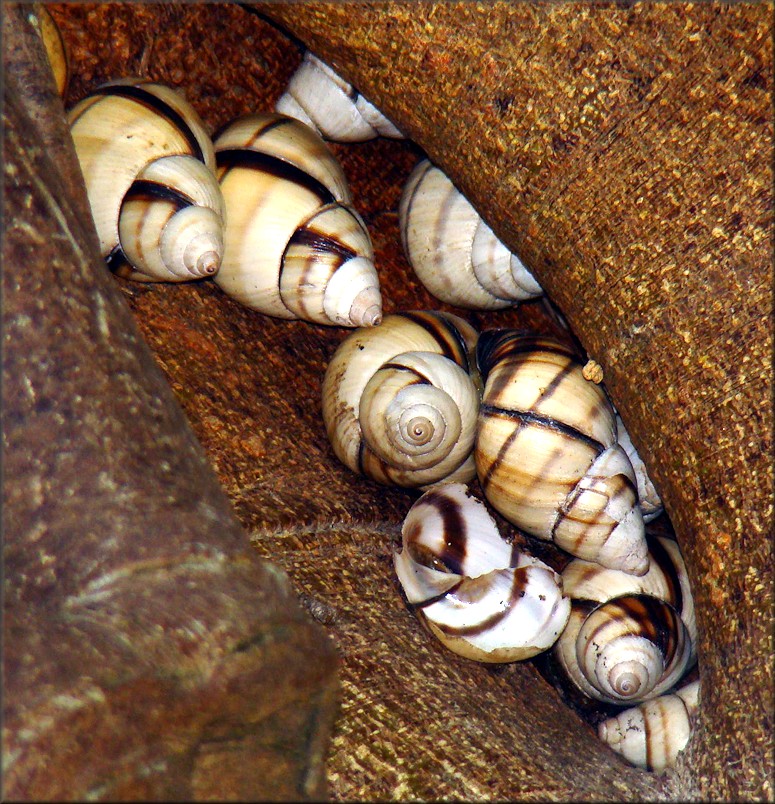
{"x": 627, "y": 156}
{"x": 148, "y": 653}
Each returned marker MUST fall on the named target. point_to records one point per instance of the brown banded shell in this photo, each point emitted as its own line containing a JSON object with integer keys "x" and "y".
{"x": 478, "y": 595}
{"x": 588, "y": 584}
{"x": 324, "y": 101}
{"x": 294, "y": 247}
{"x": 547, "y": 455}
{"x": 454, "y": 253}
{"x": 629, "y": 649}
{"x": 652, "y": 734}
{"x": 148, "y": 164}
{"x": 399, "y": 404}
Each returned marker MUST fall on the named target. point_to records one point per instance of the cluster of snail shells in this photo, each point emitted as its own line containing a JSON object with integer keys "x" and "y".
{"x": 265, "y": 210}
{"x": 453, "y": 251}
{"x": 327, "y": 103}
{"x": 478, "y": 595}
{"x": 400, "y": 400}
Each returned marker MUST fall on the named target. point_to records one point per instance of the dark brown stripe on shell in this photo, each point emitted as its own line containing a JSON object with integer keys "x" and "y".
{"x": 144, "y": 190}
{"x": 320, "y": 243}
{"x": 229, "y": 158}
{"x": 445, "y": 333}
{"x": 423, "y": 380}
{"x": 664, "y": 561}
{"x": 151, "y": 101}
{"x": 495, "y": 345}
{"x": 454, "y": 530}
{"x": 656, "y": 621}
{"x": 517, "y": 592}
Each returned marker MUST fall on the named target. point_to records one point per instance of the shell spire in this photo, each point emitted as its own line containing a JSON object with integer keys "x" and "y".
{"x": 148, "y": 164}
{"x": 546, "y": 452}
{"x": 294, "y": 247}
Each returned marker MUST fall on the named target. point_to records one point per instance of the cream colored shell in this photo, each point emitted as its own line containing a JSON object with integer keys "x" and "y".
{"x": 454, "y": 253}
{"x": 148, "y": 164}
{"x": 627, "y": 650}
{"x": 589, "y": 584}
{"x": 294, "y": 247}
{"x": 546, "y": 452}
{"x": 652, "y": 734}
{"x": 648, "y": 497}
{"x": 478, "y": 595}
{"x": 399, "y": 404}
{"x": 318, "y": 97}
{"x": 55, "y": 47}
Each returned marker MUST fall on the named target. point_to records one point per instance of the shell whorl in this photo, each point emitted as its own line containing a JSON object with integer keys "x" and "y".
{"x": 452, "y": 250}
{"x": 652, "y": 734}
{"x": 324, "y": 101}
{"x": 478, "y": 595}
{"x": 372, "y": 364}
{"x": 629, "y": 649}
{"x": 294, "y": 248}
{"x": 546, "y": 452}
{"x": 148, "y": 164}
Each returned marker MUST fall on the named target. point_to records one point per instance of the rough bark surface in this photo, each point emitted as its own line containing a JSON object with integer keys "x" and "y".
{"x": 149, "y": 653}
{"x": 626, "y": 151}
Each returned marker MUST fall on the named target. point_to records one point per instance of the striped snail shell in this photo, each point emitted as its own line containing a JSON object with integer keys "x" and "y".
{"x": 546, "y": 452}
{"x": 629, "y": 649}
{"x": 453, "y": 251}
{"x": 648, "y": 498}
{"x": 148, "y": 164}
{"x": 325, "y": 102}
{"x": 55, "y": 47}
{"x": 652, "y": 734}
{"x": 294, "y": 247}
{"x": 399, "y": 404}
{"x": 588, "y": 584}
{"x": 482, "y": 598}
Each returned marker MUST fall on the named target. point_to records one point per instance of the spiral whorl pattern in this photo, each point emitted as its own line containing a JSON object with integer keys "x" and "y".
{"x": 148, "y": 164}
{"x": 632, "y": 648}
{"x": 399, "y": 402}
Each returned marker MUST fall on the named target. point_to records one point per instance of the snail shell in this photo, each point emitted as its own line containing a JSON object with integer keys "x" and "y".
{"x": 478, "y": 595}
{"x": 589, "y": 584}
{"x": 546, "y": 452}
{"x": 55, "y": 47}
{"x": 629, "y": 649}
{"x": 325, "y": 102}
{"x": 294, "y": 248}
{"x": 399, "y": 404}
{"x": 453, "y": 251}
{"x": 648, "y": 498}
{"x": 148, "y": 166}
{"x": 652, "y": 734}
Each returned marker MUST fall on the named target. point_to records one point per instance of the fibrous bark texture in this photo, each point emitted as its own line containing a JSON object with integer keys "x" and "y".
{"x": 624, "y": 151}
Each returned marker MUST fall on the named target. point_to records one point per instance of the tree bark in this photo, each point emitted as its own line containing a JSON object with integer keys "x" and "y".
{"x": 148, "y": 652}
{"x": 627, "y": 151}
